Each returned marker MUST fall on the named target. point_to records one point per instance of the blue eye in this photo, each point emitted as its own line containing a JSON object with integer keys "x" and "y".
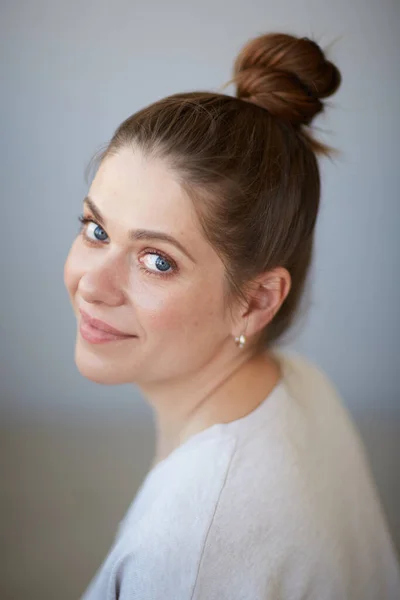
{"x": 89, "y": 228}
{"x": 162, "y": 264}
{"x": 157, "y": 263}
{"x": 97, "y": 231}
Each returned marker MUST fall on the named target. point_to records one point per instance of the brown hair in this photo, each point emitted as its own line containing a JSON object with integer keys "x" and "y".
{"x": 249, "y": 162}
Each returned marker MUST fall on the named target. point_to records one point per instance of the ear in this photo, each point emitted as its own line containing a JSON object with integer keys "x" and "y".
{"x": 265, "y": 296}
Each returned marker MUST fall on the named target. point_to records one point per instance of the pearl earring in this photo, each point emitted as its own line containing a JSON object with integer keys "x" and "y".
{"x": 241, "y": 340}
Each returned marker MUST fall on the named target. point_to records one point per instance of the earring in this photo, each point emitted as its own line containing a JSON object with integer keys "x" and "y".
{"x": 241, "y": 340}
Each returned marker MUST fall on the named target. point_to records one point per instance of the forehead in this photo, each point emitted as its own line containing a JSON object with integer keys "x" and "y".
{"x": 143, "y": 192}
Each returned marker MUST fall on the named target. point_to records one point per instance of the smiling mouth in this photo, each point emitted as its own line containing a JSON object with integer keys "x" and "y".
{"x": 97, "y": 332}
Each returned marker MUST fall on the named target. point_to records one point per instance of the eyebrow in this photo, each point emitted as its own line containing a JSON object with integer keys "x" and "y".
{"x": 139, "y": 234}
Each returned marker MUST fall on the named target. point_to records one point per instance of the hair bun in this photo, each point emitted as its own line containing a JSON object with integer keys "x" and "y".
{"x": 286, "y": 75}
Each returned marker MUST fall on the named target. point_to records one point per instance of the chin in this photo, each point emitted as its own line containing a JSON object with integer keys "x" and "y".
{"x": 100, "y": 369}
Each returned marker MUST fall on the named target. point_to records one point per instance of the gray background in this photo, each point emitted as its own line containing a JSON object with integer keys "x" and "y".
{"x": 74, "y": 452}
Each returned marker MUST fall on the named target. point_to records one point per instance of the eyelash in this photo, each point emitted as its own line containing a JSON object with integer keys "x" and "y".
{"x": 85, "y": 220}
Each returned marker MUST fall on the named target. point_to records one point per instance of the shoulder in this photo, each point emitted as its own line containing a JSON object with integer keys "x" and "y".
{"x": 189, "y": 482}
{"x": 316, "y": 407}
{"x": 304, "y": 377}
{"x": 159, "y": 547}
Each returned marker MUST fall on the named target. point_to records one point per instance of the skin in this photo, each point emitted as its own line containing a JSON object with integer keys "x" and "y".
{"x": 184, "y": 360}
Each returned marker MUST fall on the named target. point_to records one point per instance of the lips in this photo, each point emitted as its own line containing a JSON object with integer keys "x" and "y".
{"x": 97, "y": 332}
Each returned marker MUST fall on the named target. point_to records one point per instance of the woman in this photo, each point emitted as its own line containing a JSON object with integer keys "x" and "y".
{"x": 196, "y": 242}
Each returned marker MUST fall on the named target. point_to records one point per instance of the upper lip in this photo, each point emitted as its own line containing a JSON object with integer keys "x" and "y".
{"x": 101, "y": 324}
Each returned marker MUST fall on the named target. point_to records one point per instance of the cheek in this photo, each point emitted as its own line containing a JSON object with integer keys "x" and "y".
{"x": 168, "y": 309}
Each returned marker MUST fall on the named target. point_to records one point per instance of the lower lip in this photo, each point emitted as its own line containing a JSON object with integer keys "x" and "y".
{"x": 96, "y": 336}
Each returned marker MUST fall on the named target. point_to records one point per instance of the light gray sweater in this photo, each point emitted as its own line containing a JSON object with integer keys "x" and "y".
{"x": 278, "y": 505}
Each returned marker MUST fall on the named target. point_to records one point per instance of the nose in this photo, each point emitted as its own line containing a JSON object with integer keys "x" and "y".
{"x": 104, "y": 282}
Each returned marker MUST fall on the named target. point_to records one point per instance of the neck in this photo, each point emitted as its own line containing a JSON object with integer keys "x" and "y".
{"x": 223, "y": 390}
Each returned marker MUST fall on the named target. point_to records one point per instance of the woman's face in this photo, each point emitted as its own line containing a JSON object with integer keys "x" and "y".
{"x": 169, "y": 297}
